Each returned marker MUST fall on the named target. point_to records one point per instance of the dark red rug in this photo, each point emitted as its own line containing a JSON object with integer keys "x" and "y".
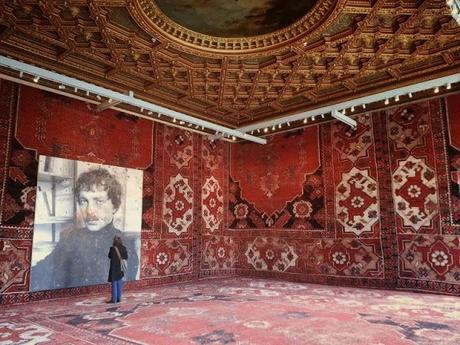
{"x": 239, "y": 311}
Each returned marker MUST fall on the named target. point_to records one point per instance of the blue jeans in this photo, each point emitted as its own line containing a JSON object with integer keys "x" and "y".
{"x": 117, "y": 287}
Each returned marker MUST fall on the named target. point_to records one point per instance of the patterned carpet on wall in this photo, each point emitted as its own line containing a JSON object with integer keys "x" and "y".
{"x": 238, "y": 311}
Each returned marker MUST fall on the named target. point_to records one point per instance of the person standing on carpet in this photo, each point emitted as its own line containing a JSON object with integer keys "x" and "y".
{"x": 117, "y": 254}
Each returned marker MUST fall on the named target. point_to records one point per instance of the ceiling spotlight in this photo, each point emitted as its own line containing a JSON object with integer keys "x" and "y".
{"x": 252, "y": 132}
{"x": 233, "y": 137}
{"x": 387, "y": 101}
{"x": 273, "y": 128}
{"x": 258, "y": 130}
{"x": 305, "y": 120}
{"x": 61, "y": 87}
{"x": 142, "y": 110}
{"x": 410, "y": 95}
{"x": 265, "y": 130}
{"x": 159, "y": 115}
{"x": 202, "y": 128}
{"x": 322, "y": 116}
{"x": 364, "y": 105}
{"x": 98, "y": 97}
{"x": 87, "y": 93}
{"x": 352, "y": 109}
{"x": 110, "y": 100}
{"x": 280, "y": 125}
{"x": 21, "y": 74}
{"x": 197, "y": 126}
{"x": 75, "y": 89}
{"x": 436, "y": 89}
{"x": 289, "y": 124}
{"x": 190, "y": 125}
{"x": 150, "y": 113}
{"x": 448, "y": 86}
{"x": 181, "y": 122}
{"x": 396, "y": 98}
{"x": 313, "y": 118}
{"x": 36, "y": 79}
{"x": 174, "y": 120}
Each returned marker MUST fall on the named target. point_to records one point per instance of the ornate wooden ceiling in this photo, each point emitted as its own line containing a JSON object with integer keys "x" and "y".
{"x": 341, "y": 49}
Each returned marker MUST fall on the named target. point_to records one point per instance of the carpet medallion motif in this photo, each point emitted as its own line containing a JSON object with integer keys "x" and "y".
{"x": 20, "y": 188}
{"x": 212, "y": 203}
{"x": 269, "y": 175}
{"x": 219, "y": 253}
{"x": 409, "y": 125}
{"x": 357, "y": 205}
{"x": 305, "y": 211}
{"x": 212, "y": 154}
{"x": 415, "y": 193}
{"x": 345, "y": 257}
{"x": 353, "y": 144}
{"x": 433, "y": 258}
{"x": 14, "y": 265}
{"x": 165, "y": 257}
{"x": 23, "y": 333}
{"x": 271, "y": 254}
{"x": 179, "y": 146}
{"x": 178, "y": 205}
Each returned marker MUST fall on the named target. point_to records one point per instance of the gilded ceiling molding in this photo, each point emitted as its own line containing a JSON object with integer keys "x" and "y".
{"x": 150, "y": 17}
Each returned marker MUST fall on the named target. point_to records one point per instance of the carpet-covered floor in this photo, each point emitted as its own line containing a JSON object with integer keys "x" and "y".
{"x": 238, "y": 311}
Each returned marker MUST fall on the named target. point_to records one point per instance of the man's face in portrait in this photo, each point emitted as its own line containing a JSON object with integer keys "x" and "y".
{"x": 96, "y": 208}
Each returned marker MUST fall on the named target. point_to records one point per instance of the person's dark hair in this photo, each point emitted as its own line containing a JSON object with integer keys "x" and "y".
{"x": 95, "y": 179}
{"x": 117, "y": 241}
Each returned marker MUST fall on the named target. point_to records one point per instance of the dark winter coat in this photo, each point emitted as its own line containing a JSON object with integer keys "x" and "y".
{"x": 115, "y": 272}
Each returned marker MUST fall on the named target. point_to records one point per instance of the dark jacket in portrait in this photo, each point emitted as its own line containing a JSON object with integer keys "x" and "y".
{"x": 80, "y": 258}
{"x": 115, "y": 272}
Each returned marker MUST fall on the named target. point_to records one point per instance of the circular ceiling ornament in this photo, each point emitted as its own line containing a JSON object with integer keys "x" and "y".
{"x": 231, "y": 27}
{"x": 235, "y": 18}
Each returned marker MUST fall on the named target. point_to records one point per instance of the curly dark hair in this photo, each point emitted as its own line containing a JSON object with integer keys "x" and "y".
{"x": 100, "y": 177}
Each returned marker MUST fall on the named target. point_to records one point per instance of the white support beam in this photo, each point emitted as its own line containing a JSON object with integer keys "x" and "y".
{"x": 106, "y": 105}
{"x": 344, "y": 118}
{"x": 381, "y": 96}
{"x": 120, "y": 97}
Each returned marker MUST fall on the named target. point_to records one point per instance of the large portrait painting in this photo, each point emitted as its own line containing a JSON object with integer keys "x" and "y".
{"x": 80, "y": 208}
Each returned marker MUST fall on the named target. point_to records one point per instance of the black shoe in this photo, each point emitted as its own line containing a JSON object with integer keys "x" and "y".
{"x": 109, "y": 302}
{"x": 119, "y": 301}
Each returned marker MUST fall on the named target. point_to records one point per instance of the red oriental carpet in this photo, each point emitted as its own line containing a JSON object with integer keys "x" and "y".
{"x": 239, "y": 311}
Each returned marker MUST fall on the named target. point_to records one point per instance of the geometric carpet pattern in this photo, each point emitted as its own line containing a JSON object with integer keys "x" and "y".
{"x": 238, "y": 311}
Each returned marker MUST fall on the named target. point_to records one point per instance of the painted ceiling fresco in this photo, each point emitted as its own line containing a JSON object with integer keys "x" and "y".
{"x": 235, "y": 18}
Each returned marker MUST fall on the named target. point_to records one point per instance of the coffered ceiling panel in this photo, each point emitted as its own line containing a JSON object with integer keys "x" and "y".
{"x": 236, "y": 62}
